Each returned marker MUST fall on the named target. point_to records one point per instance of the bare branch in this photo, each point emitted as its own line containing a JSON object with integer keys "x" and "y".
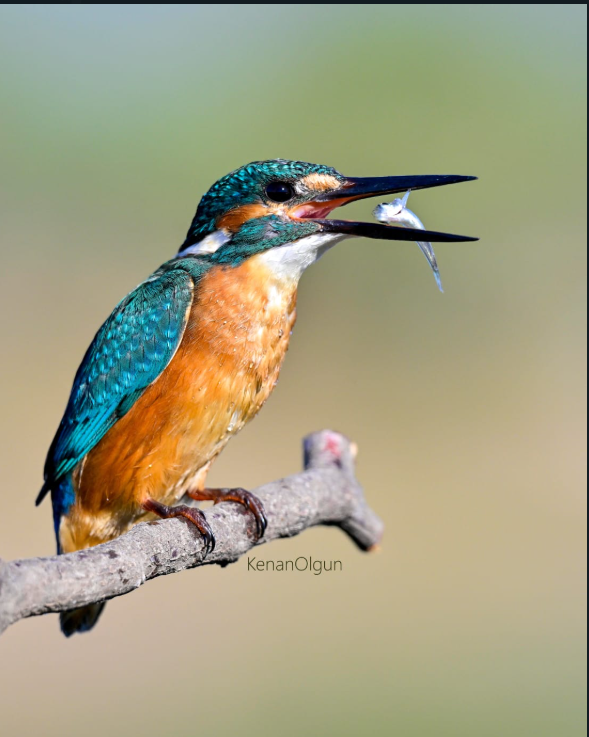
{"x": 325, "y": 493}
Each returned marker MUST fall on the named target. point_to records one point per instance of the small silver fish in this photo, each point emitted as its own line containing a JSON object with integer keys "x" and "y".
{"x": 397, "y": 212}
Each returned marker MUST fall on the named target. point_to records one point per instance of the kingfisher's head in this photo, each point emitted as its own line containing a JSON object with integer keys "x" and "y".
{"x": 282, "y": 206}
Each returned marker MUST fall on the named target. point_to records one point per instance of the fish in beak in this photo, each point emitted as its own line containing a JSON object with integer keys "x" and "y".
{"x": 398, "y": 212}
{"x": 409, "y": 228}
{"x": 360, "y": 188}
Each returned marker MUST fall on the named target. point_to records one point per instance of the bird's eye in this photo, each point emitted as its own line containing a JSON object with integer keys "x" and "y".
{"x": 279, "y": 191}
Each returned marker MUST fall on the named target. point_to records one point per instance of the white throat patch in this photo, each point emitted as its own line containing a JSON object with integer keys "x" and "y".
{"x": 289, "y": 261}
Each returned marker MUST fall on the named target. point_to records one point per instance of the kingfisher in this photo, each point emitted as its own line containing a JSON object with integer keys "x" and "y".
{"x": 187, "y": 358}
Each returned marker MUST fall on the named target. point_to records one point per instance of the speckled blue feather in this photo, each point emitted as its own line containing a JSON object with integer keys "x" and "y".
{"x": 128, "y": 353}
{"x": 261, "y": 234}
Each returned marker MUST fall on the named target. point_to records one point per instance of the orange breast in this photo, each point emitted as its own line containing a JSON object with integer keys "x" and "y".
{"x": 224, "y": 370}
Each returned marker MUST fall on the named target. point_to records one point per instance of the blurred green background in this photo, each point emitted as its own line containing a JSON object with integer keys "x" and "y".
{"x": 468, "y": 407}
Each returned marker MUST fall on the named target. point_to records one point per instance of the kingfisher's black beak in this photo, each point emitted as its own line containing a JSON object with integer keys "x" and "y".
{"x": 362, "y": 187}
{"x": 389, "y": 232}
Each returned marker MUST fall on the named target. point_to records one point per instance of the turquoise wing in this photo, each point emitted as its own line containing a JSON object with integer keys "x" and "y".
{"x": 128, "y": 353}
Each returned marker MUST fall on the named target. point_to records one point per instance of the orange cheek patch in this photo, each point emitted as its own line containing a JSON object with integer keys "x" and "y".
{"x": 234, "y": 219}
{"x": 320, "y": 182}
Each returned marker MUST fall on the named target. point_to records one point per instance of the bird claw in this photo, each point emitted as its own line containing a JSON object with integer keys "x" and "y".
{"x": 192, "y": 514}
{"x": 240, "y": 496}
{"x": 255, "y": 506}
{"x": 205, "y": 530}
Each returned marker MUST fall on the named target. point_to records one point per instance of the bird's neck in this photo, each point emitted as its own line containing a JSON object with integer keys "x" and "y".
{"x": 286, "y": 264}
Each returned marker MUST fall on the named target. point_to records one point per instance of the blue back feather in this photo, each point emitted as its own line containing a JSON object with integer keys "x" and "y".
{"x": 128, "y": 353}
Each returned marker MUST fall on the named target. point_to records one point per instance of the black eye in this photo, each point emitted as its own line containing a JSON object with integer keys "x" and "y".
{"x": 279, "y": 191}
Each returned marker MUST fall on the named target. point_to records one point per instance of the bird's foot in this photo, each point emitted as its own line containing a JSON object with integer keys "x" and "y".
{"x": 190, "y": 513}
{"x": 241, "y": 496}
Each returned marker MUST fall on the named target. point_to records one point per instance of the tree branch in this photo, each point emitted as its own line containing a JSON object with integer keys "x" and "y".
{"x": 326, "y": 492}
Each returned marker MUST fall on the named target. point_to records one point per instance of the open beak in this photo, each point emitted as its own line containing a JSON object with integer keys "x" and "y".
{"x": 362, "y": 187}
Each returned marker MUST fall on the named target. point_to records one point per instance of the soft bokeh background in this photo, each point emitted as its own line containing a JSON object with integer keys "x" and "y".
{"x": 468, "y": 407}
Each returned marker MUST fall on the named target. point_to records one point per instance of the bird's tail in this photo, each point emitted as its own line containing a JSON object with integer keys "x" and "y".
{"x": 81, "y": 619}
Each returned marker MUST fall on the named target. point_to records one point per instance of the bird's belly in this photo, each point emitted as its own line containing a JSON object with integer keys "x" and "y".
{"x": 224, "y": 370}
